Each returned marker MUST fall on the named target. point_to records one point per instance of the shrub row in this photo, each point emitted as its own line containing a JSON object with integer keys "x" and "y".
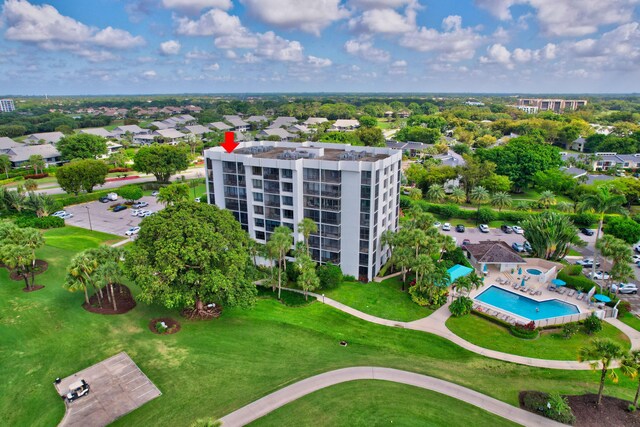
{"x": 114, "y": 170}
{"x": 520, "y": 332}
{"x": 42, "y": 223}
{"x": 36, "y": 176}
{"x": 578, "y": 282}
{"x": 83, "y": 198}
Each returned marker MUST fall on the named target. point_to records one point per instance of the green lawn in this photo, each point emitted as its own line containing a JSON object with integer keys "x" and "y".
{"x": 212, "y": 368}
{"x": 384, "y": 124}
{"x": 549, "y": 345}
{"x": 384, "y": 299}
{"x": 376, "y": 403}
{"x": 631, "y": 320}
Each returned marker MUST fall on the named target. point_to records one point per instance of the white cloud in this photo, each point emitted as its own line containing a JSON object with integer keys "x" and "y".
{"x": 318, "y": 62}
{"x": 454, "y": 44}
{"x": 200, "y": 55}
{"x": 212, "y": 67}
{"x": 195, "y": 6}
{"x": 365, "y": 50}
{"x": 386, "y": 21}
{"x": 398, "y": 67}
{"x": 378, "y": 4}
{"x": 45, "y": 27}
{"x": 615, "y": 49}
{"x": 170, "y": 47}
{"x": 568, "y": 18}
{"x": 311, "y": 16}
{"x": 212, "y": 23}
{"x": 117, "y": 39}
{"x": 149, "y": 75}
{"x": 497, "y": 54}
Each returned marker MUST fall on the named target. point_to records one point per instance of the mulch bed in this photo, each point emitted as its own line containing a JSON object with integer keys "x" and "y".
{"x": 612, "y": 411}
{"x": 124, "y": 301}
{"x": 41, "y": 267}
{"x": 173, "y": 326}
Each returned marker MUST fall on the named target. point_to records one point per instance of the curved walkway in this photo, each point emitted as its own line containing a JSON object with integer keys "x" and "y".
{"x": 435, "y": 324}
{"x": 269, "y": 403}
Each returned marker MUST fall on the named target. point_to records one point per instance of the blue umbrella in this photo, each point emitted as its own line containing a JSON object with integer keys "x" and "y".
{"x": 485, "y": 268}
{"x": 519, "y": 270}
{"x": 558, "y": 282}
{"x": 523, "y": 283}
{"x": 602, "y": 298}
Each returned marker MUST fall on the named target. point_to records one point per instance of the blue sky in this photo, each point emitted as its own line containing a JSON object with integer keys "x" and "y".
{"x": 59, "y": 47}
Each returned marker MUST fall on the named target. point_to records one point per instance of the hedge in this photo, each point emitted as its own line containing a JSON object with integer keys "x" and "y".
{"x": 36, "y": 176}
{"x": 42, "y": 223}
{"x": 577, "y": 282}
{"x": 83, "y": 198}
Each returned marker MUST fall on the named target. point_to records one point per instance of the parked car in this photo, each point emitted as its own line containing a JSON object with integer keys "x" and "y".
{"x": 587, "y": 263}
{"x": 527, "y": 246}
{"x": 66, "y": 216}
{"x": 627, "y": 288}
{"x": 506, "y": 228}
{"x": 139, "y": 205}
{"x": 119, "y": 208}
{"x": 436, "y": 224}
{"x": 143, "y": 214}
{"x": 132, "y": 231}
{"x": 197, "y": 200}
{"x": 466, "y": 242}
{"x": 460, "y": 228}
{"x": 517, "y": 229}
{"x": 77, "y": 390}
{"x": 104, "y": 199}
{"x": 586, "y": 231}
{"x": 135, "y": 212}
{"x": 637, "y": 247}
{"x": 484, "y": 228}
{"x": 155, "y": 193}
{"x": 59, "y": 213}
{"x": 446, "y": 227}
{"x": 112, "y": 196}
{"x": 636, "y": 259}
{"x": 600, "y": 275}
{"x": 518, "y": 247}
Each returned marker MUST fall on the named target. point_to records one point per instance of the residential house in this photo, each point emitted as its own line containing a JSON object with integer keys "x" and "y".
{"x": 143, "y": 139}
{"x": 578, "y": 144}
{"x": 7, "y": 143}
{"x": 197, "y": 129}
{"x": 161, "y": 125}
{"x": 98, "y": 132}
{"x": 257, "y": 119}
{"x": 299, "y": 129}
{"x": 220, "y": 126}
{"x": 494, "y": 253}
{"x": 314, "y": 121}
{"x": 388, "y": 114}
{"x": 19, "y": 155}
{"x": 279, "y": 132}
{"x": 600, "y": 129}
{"x": 343, "y": 125}
{"x": 46, "y": 137}
{"x": 237, "y": 123}
{"x": 404, "y": 114}
{"x": 282, "y": 122}
{"x": 169, "y": 136}
{"x": 120, "y": 131}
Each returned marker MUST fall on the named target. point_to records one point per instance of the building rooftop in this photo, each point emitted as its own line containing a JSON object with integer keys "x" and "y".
{"x": 493, "y": 252}
{"x": 313, "y": 151}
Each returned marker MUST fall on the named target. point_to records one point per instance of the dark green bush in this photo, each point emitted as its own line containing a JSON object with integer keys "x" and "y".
{"x": 461, "y": 306}
{"x": 592, "y": 324}
{"x": 292, "y": 272}
{"x": 456, "y": 256}
{"x": 42, "y": 223}
{"x": 449, "y": 211}
{"x": 330, "y": 276}
{"x": 623, "y": 308}
{"x": 569, "y": 329}
{"x": 584, "y": 219}
{"x": 550, "y": 405}
{"x": 579, "y": 282}
{"x": 573, "y": 270}
{"x": 525, "y": 331}
{"x": 486, "y": 215}
{"x": 83, "y": 198}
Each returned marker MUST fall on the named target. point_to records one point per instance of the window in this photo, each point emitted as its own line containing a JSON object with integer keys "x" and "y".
{"x": 364, "y": 259}
{"x": 331, "y": 218}
{"x": 365, "y": 178}
{"x": 231, "y": 204}
{"x": 286, "y": 213}
{"x": 272, "y": 187}
{"x": 257, "y": 183}
{"x": 271, "y": 225}
{"x": 258, "y": 210}
{"x": 257, "y": 170}
{"x": 363, "y": 271}
{"x": 259, "y": 222}
{"x": 257, "y": 197}
{"x": 229, "y": 167}
{"x": 313, "y": 215}
{"x": 309, "y": 174}
{"x": 287, "y": 186}
{"x": 365, "y": 192}
{"x": 286, "y": 173}
{"x": 271, "y": 173}
{"x": 287, "y": 200}
{"x": 331, "y": 176}
{"x": 260, "y": 235}
{"x": 311, "y": 188}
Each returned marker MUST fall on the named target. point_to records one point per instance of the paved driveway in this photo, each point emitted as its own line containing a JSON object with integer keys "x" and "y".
{"x": 102, "y": 219}
{"x": 474, "y": 235}
{"x": 118, "y": 387}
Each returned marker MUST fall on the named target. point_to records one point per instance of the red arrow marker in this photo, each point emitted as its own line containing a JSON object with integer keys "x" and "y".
{"x": 229, "y": 143}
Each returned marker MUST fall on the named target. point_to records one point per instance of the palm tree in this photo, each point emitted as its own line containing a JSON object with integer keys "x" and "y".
{"x": 279, "y": 244}
{"x": 619, "y": 252}
{"x": 565, "y": 207}
{"x": 522, "y": 205}
{"x": 547, "y": 199}
{"x": 31, "y": 185}
{"x": 308, "y": 280}
{"x": 109, "y": 269}
{"x": 18, "y": 257}
{"x": 36, "y": 161}
{"x": 32, "y": 239}
{"x": 422, "y": 266}
{"x": 307, "y": 227}
{"x": 603, "y": 201}
{"x": 14, "y": 200}
{"x": 501, "y": 200}
{"x": 5, "y": 164}
{"x": 478, "y": 196}
{"x": 601, "y": 352}
{"x": 458, "y": 195}
{"x": 42, "y": 204}
{"x": 79, "y": 275}
{"x": 415, "y": 193}
{"x": 436, "y": 193}
{"x": 551, "y": 235}
{"x": 630, "y": 366}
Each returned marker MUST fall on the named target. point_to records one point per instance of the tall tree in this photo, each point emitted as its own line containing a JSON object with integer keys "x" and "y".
{"x": 478, "y": 196}
{"x": 36, "y": 162}
{"x": 174, "y": 193}
{"x": 307, "y": 279}
{"x": 42, "y": 204}
{"x": 547, "y": 199}
{"x": 630, "y": 366}
{"x": 278, "y": 245}
{"x": 5, "y": 164}
{"x": 80, "y": 275}
{"x": 18, "y": 257}
{"x": 600, "y": 354}
{"x": 602, "y": 202}
{"x": 458, "y": 195}
{"x": 82, "y": 146}
{"x": 191, "y": 254}
{"x": 436, "y": 193}
{"x": 161, "y": 160}
{"x": 81, "y": 175}
{"x": 501, "y": 200}
{"x": 551, "y": 235}
{"x": 307, "y": 227}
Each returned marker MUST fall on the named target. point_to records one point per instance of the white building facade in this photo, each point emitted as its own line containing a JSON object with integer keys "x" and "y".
{"x": 351, "y": 193}
{"x": 7, "y": 105}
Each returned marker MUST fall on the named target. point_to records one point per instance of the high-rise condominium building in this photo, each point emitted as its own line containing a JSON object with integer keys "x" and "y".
{"x": 7, "y": 106}
{"x": 557, "y": 105}
{"x": 351, "y": 193}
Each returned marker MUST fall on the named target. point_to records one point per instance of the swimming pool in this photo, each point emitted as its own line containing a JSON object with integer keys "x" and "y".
{"x": 534, "y": 271}
{"x": 526, "y": 307}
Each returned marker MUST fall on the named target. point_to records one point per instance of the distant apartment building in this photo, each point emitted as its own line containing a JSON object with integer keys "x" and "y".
{"x": 7, "y": 106}
{"x": 351, "y": 193}
{"x": 529, "y": 109}
{"x": 556, "y": 105}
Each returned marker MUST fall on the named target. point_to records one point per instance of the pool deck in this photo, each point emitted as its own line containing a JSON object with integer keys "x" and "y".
{"x": 536, "y": 291}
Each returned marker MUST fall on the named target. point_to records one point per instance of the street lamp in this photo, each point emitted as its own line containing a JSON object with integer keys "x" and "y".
{"x": 89, "y": 213}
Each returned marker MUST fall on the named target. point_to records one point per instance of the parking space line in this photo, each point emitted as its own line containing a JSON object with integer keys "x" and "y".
{"x": 145, "y": 393}
{"x": 142, "y": 385}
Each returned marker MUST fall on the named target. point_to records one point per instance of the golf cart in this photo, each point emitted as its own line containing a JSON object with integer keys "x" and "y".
{"x": 77, "y": 390}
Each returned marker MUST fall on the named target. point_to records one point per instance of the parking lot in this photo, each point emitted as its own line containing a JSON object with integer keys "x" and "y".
{"x": 475, "y": 235}
{"x": 99, "y": 217}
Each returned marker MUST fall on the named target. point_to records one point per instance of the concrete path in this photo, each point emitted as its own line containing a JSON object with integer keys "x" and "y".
{"x": 269, "y": 403}
{"x": 435, "y": 324}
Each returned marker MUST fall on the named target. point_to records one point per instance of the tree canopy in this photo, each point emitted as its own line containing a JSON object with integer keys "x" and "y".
{"x": 81, "y": 175}
{"x": 161, "y": 160}
{"x": 82, "y": 146}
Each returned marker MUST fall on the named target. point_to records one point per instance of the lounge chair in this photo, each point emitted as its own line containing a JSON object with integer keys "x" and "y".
{"x": 538, "y": 292}
{"x": 562, "y": 291}
{"x": 580, "y": 296}
{"x": 571, "y": 292}
{"x": 515, "y": 286}
{"x": 500, "y": 280}
{"x": 532, "y": 291}
{"x": 552, "y": 288}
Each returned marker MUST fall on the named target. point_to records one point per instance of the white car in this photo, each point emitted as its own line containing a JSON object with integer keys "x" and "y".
{"x": 517, "y": 229}
{"x": 436, "y": 224}
{"x": 446, "y": 227}
{"x": 635, "y": 259}
{"x": 600, "y": 275}
{"x": 155, "y": 193}
{"x": 142, "y": 213}
{"x": 132, "y": 231}
{"x": 59, "y": 213}
{"x": 627, "y": 288}
{"x": 135, "y": 212}
{"x": 484, "y": 228}
{"x": 139, "y": 205}
{"x": 66, "y": 216}
{"x": 197, "y": 200}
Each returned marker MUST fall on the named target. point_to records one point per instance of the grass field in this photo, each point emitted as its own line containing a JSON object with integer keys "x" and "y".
{"x": 212, "y": 368}
{"x": 549, "y": 345}
{"x": 631, "y": 320}
{"x": 384, "y": 299}
{"x": 376, "y": 403}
